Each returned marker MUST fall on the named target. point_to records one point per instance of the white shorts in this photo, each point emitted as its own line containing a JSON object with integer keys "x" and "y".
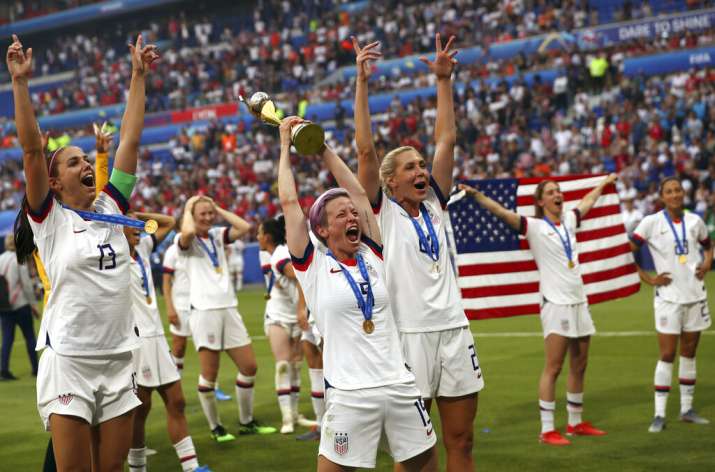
{"x": 675, "y": 318}
{"x": 292, "y": 329}
{"x": 96, "y": 388}
{"x": 569, "y": 321}
{"x": 218, "y": 330}
{"x": 312, "y": 336}
{"x": 445, "y": 363}
{"x": 354, "y": 420}
{"x": 184, "y": 330}
{"x": 153, "y": 363}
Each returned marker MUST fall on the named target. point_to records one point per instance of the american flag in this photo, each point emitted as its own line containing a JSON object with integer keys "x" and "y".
{"x": 497, "y": 274}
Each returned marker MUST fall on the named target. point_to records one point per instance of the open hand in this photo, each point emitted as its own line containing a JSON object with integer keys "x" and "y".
{"x": 444, "y": 60}
{"x": 661, "y": 280}
{"x": 103, "y": 138}
{"x": 364, "y": 56}
{"x": 142, "y": 56}
{"x": 19, "y": 62}
{"x": 701, "y": 271}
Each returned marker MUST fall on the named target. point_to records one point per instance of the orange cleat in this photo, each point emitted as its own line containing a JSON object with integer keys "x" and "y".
{"x": 554, "y": 438}
{"x": 584, "y": 429}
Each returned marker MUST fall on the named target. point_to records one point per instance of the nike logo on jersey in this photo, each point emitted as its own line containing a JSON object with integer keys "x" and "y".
{"x": 80, "y": 231}
{"x": 335, "y": 271}
{"x": 664, "y": 231}
{"x": 429, "y": 431}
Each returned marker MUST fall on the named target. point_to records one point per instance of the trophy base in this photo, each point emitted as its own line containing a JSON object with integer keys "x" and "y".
{"x": 308, "y": 138}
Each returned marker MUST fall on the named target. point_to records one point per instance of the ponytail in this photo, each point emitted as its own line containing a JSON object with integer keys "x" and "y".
{"x": 24, "y": 238}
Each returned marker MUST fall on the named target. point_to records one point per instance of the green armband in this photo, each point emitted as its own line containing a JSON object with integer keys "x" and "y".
{"x": 123, "y": 182}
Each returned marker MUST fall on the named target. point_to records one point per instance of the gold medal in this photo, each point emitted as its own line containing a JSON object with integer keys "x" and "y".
{"x": 148, "y": 300}
{"x": 682, "y": 258}
{"x": 571, "y": 264}
{"x": 150, "y": 226}
{"x": 219, "y": 270}
{"x": 368, "y": 326}
{"x": 267, "y": 296}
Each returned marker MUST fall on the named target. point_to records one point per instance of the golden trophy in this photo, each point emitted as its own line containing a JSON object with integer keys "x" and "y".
{"x": 307, "y": 137}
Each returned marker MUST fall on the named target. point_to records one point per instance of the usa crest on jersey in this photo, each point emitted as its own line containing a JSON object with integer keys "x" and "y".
{"x": 341, "y": 443}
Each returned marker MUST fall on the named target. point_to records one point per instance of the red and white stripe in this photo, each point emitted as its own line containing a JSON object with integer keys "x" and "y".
{"x": 506, "y": 283}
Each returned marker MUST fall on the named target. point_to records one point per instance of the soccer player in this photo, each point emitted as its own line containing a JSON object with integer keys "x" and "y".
{"x": 674, "y": 237}
{"x": 175, "y": 286}
{"x": 152, "y": 362}
{"x": 284, "y": 302}
{"x": 434, "y": 331}
{"x": 234, "y": 253}
{"x": 565, "y": 317}
{"x": 369, "y": 386}
{"x": 215, "y": 322}
{"x": 86, "y": 331}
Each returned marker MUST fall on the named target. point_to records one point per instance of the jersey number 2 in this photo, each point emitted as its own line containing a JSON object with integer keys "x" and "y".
{"x": 107, "y": 257}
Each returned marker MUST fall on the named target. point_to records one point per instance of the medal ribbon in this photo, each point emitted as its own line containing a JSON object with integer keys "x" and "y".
{"x": 113, "y": 218}
{"x": 432, "y": 249}
{"x": 212, "y": 255}
{"x": 145, "y": 279}
{"x": 565, "y": 241}
{"x": 365, "y": 305}
{"x": 678, "y": 242}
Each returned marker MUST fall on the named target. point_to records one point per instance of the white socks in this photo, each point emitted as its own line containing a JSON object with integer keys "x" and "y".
{"x": 244, "y": 397}
{"x": 317, "y": 393}
{"x": 187, "y": 454}
{"x": 662, "y": 380}
{"x": 137, "y": 460}
{"x": 207, "y": 398}
{"x": 294, "y": 387}
{"x": 547, "y": 415}
{"x": 574, "y": 406}
{"x": 283, "y": 390}
{"x": 686, "y": 376}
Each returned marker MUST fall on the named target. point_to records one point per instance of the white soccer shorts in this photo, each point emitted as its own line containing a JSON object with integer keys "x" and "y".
{"x": 675, "y": 318}
{"x": 354, "y": 421}
{"x": 218, "y": 330}
{"x": 445, "y": 363}
{"x": 569, "y": 321}
{"x": 153, "y": 363}
{"x": 94, "y": 388}
{"x": 291, "y": 329}
{"x": 184, "y": 330}
{"x": 312, "y": 336}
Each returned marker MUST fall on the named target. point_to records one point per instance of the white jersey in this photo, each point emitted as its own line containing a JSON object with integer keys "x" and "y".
{"x": 352, "y": 359}
{"x": 557, "y": 283}
{"x": 19, "y": 284}
{"x": 174, "y": 264}
{"x": 87, "y": 264}
{"x": 423, "y": 299}
{"x": 655, "y": 230}
{"x": 283, "y": 303}
{"x": 142, "y": 291}
{"x": 631, "y": 220}
{"x": 210, "y": 286}
{"x": 235, "y": 255}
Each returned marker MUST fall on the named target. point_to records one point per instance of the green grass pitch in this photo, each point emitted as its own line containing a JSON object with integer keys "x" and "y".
{"x": 619, "y": 398}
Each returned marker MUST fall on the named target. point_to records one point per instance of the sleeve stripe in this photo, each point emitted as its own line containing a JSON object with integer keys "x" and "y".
{"x": 706, "y": 243}
{"x": 438, "y": 192}
{"x": 117, "y": 196}
{"x": 376, "y": 248}
{"x": 39, "y": 216}
{"x": 378, "y": 203}
{"x": 577, "y": 212}
{"x": 302, "y": 263}
{"x": 153, "y": 243}
{"x": 523, "y": 225}
{"x": 637, "y": 239}
{"x": 226, "y": 239}
{"x": 282, "y": 264}
{"x": 167, "y": 270}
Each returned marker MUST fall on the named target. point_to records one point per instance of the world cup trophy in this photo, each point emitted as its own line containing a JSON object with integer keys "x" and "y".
{"x": 307, "y": 137}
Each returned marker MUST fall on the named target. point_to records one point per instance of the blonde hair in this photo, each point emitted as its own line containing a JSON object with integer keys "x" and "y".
{"x": 389, "y": 166}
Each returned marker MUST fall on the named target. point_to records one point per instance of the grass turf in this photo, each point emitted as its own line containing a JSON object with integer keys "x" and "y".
{"x": 619, "y": 399}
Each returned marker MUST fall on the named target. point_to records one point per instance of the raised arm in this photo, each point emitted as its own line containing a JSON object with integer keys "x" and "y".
{"x": 445, "y": 129}
{"x": 511, "y": 218}
{"x": 239, "y": 226}
{"x": 166, "y": 224}
{"x": 103, "y": 140}
{"x": 296, "y": 226}
{"x": 19, "y": 65}
{"x": 368, "y": 162}
{"x": 346, "y": 179}
{"x": 587, "y": 202}
{"x": 133, "y": 120}
{"x": 188, "y": 226}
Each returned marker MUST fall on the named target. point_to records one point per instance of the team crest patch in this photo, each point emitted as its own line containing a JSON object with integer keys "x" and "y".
{"x": 341, "y": 443}
{"x": 371, "y": 270}
{"x": 565, "y": 325}
{"x": 65, "y": 399}
{"x": 212, "y": 338}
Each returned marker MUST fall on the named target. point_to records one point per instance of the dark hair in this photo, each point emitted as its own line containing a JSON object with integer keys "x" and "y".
{"x": 661, "y": 186}
{"x": 538, "y": 193}
{"x": 276, "y": 229}
{"x": 24, "y": 237}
